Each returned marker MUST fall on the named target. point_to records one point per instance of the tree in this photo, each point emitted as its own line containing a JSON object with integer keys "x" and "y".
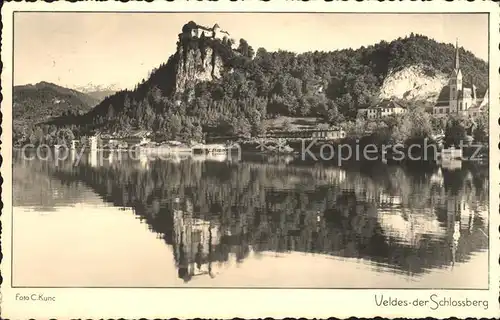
{"x": 240, "y": 127}
{"x": 111, "y": 113}
{"x": 37, "y": 137}
{"x": 421, "y": 126}
{"x": 245, "y": 49}
{"x": 286, "y": 125}
{"x": 355, "y": 129}
{"x": 64, "y": 136}
{"x": 438, "y": 124}
{"x": 400, "y": 130}
{"x": 333, "y": 115}
{"x": 455, "y": 132}
{"x": 197, "y": 133}
{"x": 173, "y": 126}
{"x": 481, "y": 131}
{"x": 259, "y": 129}
{"x": 251, "y": 52}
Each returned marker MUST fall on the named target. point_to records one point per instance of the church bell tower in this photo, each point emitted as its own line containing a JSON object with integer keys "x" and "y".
{"x": 455, "y": 81}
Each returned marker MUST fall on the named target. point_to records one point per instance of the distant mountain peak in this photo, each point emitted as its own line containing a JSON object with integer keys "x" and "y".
{"x": 98, "y": 91}
{"x": 91, "y": 87}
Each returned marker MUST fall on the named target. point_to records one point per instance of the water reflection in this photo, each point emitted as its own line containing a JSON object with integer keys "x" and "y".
{"x": 407, "y": 220}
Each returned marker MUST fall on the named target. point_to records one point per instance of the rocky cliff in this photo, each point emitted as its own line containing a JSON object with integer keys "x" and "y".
{"x": 413, "y": 83}
{"x": 195, "y": 65}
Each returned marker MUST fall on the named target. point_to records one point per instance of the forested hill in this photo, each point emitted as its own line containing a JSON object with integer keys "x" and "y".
{"x": 44, "y": 100}
{"x": 215, "y": 85}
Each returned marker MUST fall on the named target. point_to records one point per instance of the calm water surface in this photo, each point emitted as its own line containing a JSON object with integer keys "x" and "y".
{"x": 262, "y": 221}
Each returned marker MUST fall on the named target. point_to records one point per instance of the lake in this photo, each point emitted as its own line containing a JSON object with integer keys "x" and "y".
{"x": 120, "y": 220}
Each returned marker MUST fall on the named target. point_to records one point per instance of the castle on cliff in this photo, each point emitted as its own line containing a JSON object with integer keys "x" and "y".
{"x": 194, "y": 30}
{"x": 460, "y": 99}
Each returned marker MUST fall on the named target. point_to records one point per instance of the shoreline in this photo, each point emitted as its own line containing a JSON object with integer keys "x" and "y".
{"x": 249, "y": 151}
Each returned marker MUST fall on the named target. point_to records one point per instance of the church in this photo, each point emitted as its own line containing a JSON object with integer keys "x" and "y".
{"x": 460, "y": 100}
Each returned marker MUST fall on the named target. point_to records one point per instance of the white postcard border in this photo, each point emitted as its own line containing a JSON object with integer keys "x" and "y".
{"x": 245, "y": 303}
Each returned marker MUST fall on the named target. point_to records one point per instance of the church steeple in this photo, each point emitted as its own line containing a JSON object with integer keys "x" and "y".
{"x": 457, "y": 57}
{"x": 455, "y": 83}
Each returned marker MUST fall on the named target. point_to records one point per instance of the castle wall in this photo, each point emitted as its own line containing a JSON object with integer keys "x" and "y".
{"x": 197, "y": 32}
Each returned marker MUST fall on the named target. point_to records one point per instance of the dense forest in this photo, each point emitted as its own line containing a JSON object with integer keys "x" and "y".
{"x": 256, "y": 85}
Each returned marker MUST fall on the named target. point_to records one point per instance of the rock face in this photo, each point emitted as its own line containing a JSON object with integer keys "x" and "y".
{"x": 194, "y": 66}
{"x": 413, "y": 83}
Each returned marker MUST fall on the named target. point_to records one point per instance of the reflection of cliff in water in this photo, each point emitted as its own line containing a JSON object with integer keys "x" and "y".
{"x": 210, "y": 211}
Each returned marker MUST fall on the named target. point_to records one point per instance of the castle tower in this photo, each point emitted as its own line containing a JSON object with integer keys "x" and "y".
{"x": 216, "y": 31}
{"x": 455, "y": 81}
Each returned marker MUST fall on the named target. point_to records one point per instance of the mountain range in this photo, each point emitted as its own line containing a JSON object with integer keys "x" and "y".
{"x": 43, "y": 101}
{"x": 98, "y": 91}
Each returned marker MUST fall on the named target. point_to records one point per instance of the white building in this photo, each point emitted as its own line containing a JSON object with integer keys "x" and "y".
{"x": 455, "y": 98}
{"x": 383, "y": 109}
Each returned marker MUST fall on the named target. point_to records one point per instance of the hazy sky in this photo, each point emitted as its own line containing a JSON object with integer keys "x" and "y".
{"x": 74, "y": 49}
